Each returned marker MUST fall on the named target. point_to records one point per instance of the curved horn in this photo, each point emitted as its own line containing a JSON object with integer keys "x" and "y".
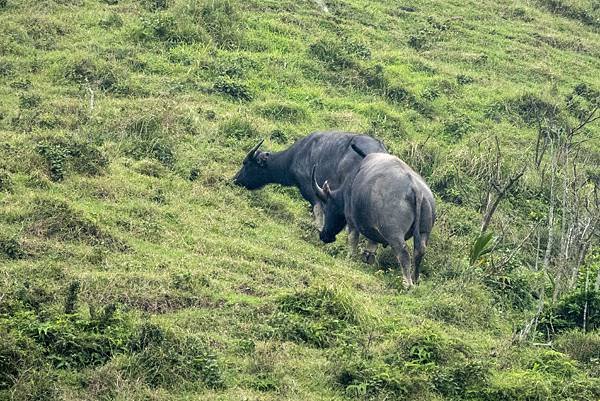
{"x": 359, "y": 151}
{"x": 250, "y": 154}
{"x": 318, "y": 190}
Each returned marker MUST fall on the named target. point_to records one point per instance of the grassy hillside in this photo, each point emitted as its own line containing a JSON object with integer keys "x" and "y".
{"x": 131, "y": 268}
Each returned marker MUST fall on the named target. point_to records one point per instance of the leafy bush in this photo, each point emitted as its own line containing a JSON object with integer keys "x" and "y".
{"x": 155, "y": 5}
{"x": 421, "y": 361}
{"x": 63, "y": 154}
{"x": 232, "y": 88}
{"x": 166, "y": 360}
{"x": 568, "y": 312}
{"x": 283, "y": 112}
{"x": 17, "y": 354}
{"x": 151, "y": 168}
{"x": 584, "y": 347}
{"x": 223, "y": 22}
{"x": 238, "y": 128}
{"x": 6, "y": 184}
{"x": 317, "y": 316}
{"x": 53, "y": 218}
{"x": 519, "y": 385}
{"x": 11, "y": 247}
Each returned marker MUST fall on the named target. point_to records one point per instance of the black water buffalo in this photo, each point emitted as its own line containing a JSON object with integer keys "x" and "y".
{"x": 330, "y": 151}
{"x": 387, "y": 202}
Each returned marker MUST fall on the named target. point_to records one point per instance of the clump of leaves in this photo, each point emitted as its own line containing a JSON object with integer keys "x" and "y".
{"x": 423, "y": 360}
{"x": 166, "y": 360}
{"x": 151, "y": 168}
{"x": 238, "y": 128}
{"x": 233, "y": 88}
{"x": 11, "y": 247}
{"x": 581, "y": 346}
{"x": 223, "y": 23}
{"x": 283, "y": 112}
{"x": 63, "y": 154}
{"x": 578, "y": 309}
{"x": 6, "y": 184}
{"x": 53, "y": 218}
{"x": 318, "y": 316}
{"x": 482, "y": 246}
{"x": 155, "y": 5}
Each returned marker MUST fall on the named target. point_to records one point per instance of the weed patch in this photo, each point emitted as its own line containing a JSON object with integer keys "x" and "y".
{"x": 11, "y": 248}
{"x": 53, "y": 218}
{"x": 234, "y": 89}
{"x": 166, "y": 360}
{"x": 318, "y": 317}
{"x": 571, "y": 11}
{"x": 61, "y": 155}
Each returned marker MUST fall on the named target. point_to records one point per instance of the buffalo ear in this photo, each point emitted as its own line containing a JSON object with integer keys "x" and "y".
{"x": 261, "y": 158}
{"x": 327, "y": 189}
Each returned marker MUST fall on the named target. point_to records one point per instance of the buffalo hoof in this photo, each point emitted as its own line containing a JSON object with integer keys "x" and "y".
{"x": 368, "y": 257}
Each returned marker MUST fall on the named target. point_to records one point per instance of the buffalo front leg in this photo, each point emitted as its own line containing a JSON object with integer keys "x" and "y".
{"x": 368, "y": 255}
{"x": 319, "y": 216}
{"x": 352, "y": 242}
{"x": 403, "y": 257}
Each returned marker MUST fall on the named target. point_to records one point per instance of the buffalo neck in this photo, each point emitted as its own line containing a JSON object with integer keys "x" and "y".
{"x": 278, "y": 166}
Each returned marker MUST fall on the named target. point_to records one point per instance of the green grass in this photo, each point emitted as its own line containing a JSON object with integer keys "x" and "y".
{"x": 122, "y": 123}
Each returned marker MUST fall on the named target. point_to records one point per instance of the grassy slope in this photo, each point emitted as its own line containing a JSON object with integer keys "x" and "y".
{"x": 208, "y": 260}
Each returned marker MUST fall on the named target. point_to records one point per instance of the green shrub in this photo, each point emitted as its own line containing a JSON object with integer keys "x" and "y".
{"x": 568, "y": 312}
{"x": 18, "y": 353}
{"x": 6, "y": 184}
{"x": 519, "y": 385}
{"x": 166, "y": 360}
{"x": 63, "y": 154}
{"x": 457, "y": 127}
{"x": 317, "y": 316}
{"x": 234, "y": 89}
{"x": 551, "y": 362}
{"x": 422, "y": 361}
{"x": 223, "y": 22}
{"x": 155, "y": 5}
{"x": 283, "y": 112}
{"x": 53, "y": 218}
{"x": 151, "y": 168}
{"x": 11, "y": 247}
{"x": 584, "y": 347}
{"x": 238, "y": 128}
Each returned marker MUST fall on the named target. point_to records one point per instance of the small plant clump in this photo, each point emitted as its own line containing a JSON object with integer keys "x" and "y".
{"x": 318, "y": 317}
{"x": 61, "y": 155}
{"x": 53, "y": 218}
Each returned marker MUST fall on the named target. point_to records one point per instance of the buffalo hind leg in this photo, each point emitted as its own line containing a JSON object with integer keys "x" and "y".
{"x": 418, "y": 255}
{"x": 368, "y": 255}
{"x": 403, "y": 257}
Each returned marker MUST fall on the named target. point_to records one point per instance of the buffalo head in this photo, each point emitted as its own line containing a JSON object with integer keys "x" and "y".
{"x": 333, "y": 209}
{"x": 254, "y": 173}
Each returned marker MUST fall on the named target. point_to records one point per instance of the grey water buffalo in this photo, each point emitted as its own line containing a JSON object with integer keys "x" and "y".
{"x": 330, "y": 150}
{"x": 387, "y": 202}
